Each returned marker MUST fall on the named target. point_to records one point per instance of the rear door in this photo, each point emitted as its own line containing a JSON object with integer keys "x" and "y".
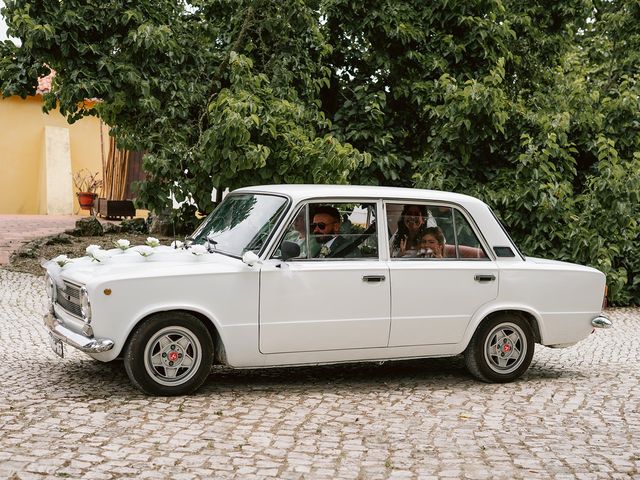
{"x": 436, "y": 288}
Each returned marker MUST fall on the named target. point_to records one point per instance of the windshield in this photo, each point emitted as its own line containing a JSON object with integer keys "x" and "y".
{"x": 241, "y": 223}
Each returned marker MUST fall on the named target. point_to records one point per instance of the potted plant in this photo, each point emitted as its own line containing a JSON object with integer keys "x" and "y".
{"x": 87, "y": 183}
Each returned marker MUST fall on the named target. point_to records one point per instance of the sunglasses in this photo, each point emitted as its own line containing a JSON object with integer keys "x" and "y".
{"x": 320, "y": 225}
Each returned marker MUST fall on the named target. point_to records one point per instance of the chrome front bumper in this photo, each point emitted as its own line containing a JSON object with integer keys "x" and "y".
{"x": 601, "y": 322}
{"x": 74, "y": 339}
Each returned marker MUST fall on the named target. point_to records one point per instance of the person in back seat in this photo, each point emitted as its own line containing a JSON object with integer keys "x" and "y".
{"x": 432, "y": 243}
{"x": 404, "y": 242}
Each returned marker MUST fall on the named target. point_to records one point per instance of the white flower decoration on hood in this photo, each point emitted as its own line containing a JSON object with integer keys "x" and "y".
{"x": 122, "y": 244}
{"x": 198, "y": 249}
{"x": 153, "y": 242}
{"x": 144, "y": 250}
{"x": 100, "y": 255}
{"x": 97, "y": 254}
{"x": 92, "y": 248}
{"x": 61, "y": 260}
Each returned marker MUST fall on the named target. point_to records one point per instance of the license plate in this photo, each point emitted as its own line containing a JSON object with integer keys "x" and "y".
{"x": 57, "y": 346}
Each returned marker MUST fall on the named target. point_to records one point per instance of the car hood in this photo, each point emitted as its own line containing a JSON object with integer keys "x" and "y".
{"x": 100, "y": 265}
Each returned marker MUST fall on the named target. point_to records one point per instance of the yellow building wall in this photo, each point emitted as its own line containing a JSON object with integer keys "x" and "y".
{"x": 22, "y": 152}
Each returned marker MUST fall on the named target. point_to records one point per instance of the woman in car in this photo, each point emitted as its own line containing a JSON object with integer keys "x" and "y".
{"x": 405, "y": 242}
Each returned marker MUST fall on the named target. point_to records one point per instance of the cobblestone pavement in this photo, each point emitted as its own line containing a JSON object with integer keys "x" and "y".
{"x": 575, "y": 414}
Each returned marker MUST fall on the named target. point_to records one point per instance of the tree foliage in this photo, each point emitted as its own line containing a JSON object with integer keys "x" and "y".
{"x": 218, "y": 93}
{"x": 532, "y": 106}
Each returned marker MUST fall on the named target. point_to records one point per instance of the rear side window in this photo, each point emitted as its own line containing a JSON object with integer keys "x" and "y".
{"x": 468, "y": 244}
{"x": 423, "y": 231}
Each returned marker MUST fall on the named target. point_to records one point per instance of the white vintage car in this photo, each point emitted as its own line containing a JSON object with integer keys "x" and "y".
{"x": 316, "y": 274}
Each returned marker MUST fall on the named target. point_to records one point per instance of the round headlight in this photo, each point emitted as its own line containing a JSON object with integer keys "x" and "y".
{"x": 50, "y": 287}
{"x": 85, "y": 305}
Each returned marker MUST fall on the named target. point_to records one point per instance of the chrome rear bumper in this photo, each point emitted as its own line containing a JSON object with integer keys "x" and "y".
{"x": 601, "y": 322}
{"x": 74, "y": 339}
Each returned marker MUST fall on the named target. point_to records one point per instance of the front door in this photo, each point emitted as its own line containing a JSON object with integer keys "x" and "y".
{"x": 339, "y": 299}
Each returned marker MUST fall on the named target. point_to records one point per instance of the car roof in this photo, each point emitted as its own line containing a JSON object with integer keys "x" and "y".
{"x": 298, "y": 192}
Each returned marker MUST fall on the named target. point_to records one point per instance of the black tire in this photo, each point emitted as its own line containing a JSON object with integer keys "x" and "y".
{"x": 169, "y": 353}
{"x": 501, "y": 349}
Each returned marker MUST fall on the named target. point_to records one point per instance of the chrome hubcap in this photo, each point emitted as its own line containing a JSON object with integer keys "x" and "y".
{"x": 505, "y": 348}
{"x": 172, "y": 356}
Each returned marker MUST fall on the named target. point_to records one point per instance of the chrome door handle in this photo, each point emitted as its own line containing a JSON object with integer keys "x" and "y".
{"x": 373, "y": 278}
{"x": 484, "y": 278}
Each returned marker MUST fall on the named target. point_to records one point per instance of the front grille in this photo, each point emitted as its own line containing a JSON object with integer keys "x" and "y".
{"x": 69, "y": 299}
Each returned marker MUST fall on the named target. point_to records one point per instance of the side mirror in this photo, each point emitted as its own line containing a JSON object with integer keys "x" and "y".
{"x": 289, "y": 250}
{"x": 250, "y": 258}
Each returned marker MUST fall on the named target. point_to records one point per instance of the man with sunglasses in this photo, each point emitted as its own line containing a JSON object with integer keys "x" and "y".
{"x": 325, "y": 229}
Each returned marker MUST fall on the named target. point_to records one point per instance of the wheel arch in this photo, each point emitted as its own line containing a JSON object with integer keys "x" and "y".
{"x": 219, "y": 351}
{"x": 532, "y": 318}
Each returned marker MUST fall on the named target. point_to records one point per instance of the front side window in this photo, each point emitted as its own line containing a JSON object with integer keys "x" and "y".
{"x": 431, "y": 232}
{"x": 241, "y": 223}
{"x": 334, "y": 231}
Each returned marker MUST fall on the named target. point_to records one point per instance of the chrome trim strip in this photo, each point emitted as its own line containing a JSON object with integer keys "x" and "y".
{"x": 76, "y": 340}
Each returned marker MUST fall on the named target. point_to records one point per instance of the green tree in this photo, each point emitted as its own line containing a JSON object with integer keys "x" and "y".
{"x": 218, "y": 93}
{"x": 533, "y": 107}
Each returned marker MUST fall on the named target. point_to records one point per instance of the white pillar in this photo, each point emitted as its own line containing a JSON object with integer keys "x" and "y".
{"x": 58, "y": 184}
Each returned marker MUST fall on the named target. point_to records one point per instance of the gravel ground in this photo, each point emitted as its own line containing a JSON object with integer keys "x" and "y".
{"x": 574, "y": 414}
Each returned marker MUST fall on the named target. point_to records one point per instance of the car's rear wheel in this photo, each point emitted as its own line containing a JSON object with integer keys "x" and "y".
{"x": 501, "y": 349}
{"x": 170, "y": 353}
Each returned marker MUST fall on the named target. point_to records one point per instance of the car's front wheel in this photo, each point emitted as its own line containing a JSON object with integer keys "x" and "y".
{"x": 170, "y": 353}
{"x": 501, "y": 349}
